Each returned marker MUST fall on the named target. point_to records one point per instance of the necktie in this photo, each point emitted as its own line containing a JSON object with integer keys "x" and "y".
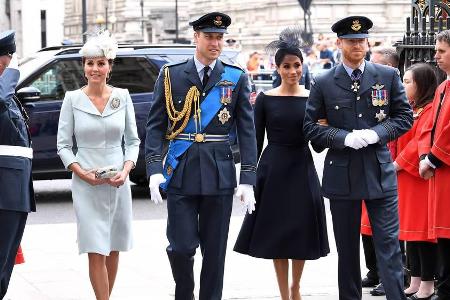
{"x": 205, "y": 76}
{"x": 356, "y": 75}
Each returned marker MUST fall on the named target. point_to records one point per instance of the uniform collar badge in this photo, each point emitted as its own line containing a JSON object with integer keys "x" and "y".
{"x": 380, "y": 116}
{"x": 115, "y": 103}
{"x": 224, "y": 115}
{"x": 356, "y": 26}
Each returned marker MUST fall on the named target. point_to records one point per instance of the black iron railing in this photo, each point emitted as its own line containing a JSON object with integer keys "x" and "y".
{"x": 428, "y": 18}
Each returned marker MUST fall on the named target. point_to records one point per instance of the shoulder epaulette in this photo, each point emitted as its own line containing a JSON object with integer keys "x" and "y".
{"x": 232, "y": 65}
{"x": 175, "y": 63}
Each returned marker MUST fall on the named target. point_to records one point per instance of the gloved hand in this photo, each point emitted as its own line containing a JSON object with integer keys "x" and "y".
{"x": 153, "y": 184}
{"x": 14, "y": 62}
{"x": 355, "y": 141}
{"x": 369, "y": 135}
{"x": 245, "y": 193}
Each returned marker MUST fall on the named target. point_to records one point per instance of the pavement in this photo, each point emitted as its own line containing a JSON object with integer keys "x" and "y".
{"x": 54, "y": 271}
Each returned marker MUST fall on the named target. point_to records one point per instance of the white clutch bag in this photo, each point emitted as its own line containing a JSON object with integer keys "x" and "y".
{"x": 106, "y": 172}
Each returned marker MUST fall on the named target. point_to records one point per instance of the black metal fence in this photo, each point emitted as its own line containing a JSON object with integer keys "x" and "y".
{"x": 428, "y": 18}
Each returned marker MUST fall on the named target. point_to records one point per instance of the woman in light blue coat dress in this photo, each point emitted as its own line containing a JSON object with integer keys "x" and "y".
{"x": 99, "y": 116}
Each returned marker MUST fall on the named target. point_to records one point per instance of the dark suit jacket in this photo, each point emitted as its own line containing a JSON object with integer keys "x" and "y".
{"x": 367, "y": 173}
{"x": 205, "y": 168}
{"x": 16, "y": 185}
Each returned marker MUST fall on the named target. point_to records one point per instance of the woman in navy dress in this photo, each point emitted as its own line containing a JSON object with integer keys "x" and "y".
{"x": 289, "y": 220}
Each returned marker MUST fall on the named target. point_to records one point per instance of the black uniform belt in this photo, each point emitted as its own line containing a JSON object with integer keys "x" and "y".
{"x": 203, "y": 137}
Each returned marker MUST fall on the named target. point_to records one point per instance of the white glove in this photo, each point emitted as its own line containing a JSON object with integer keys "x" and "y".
{"x": 369, "y": 135}
{"x": 153, "y": 184}
{"x": 355, "y": 141}
{"x": 14, "y": 63}
{"x": 245, "y": 193}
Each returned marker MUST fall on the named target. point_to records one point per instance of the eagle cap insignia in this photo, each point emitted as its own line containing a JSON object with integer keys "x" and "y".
{"x": 356, "y": 26}
{"x": 218, "y": 21}
{"x": 115, "y": 103}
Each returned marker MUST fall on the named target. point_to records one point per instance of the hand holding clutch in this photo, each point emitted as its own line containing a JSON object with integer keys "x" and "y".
{"x": 106, "y": 172}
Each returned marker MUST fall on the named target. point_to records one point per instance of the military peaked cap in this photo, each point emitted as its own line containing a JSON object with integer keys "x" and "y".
{"x": 212, "y": 22}
{"x": 354, "y": 27}
{"x": 7, "y": 43}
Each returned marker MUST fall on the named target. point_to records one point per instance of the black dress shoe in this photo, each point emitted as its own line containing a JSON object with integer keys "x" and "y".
{"x": 378, "y": 290}
{"x": 369, "y": 282}
{"x": 409, "y": 294}
{"x": 414, "y": 297}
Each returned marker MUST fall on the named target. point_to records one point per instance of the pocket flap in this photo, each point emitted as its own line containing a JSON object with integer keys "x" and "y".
{"x": 12, "y": 163}
{"x": 223, "y": 153}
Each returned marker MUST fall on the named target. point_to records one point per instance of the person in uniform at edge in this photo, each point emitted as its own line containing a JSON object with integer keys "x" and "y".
{"x": 434, "y": 151}
{"x": 16, "y": 185}
{"x": 354, "y": 109}
{"x": 200, "y": 99}
{"x": 386, "y": 56}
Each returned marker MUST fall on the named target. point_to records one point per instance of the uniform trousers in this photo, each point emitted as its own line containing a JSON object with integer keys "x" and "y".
{"x": 12, "y": 225}
{"x": 383, "y": 215}
{"x": 443, "y": 286}
{"x": 193, "y": 221}
{"x": 370, "y": 256}
{"x": 422, "y": 259}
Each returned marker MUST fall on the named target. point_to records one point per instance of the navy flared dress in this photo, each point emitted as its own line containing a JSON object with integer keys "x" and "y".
{"x": 289, "y": 221}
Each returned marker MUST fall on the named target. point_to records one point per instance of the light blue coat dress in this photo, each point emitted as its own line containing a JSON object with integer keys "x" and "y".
{"x": 103, "y": 212}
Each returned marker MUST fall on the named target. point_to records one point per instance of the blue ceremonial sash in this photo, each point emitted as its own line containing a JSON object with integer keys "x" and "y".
{"x": 209, "y": 108}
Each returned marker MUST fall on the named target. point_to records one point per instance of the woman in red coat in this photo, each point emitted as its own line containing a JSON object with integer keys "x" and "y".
{"x": 420, "y": 83}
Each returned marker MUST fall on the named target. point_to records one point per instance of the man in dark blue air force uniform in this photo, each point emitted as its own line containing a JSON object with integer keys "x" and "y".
{"x": 354, "y": 109}
{"x": 196, "y": 102}
{"x": 16, "y": 186}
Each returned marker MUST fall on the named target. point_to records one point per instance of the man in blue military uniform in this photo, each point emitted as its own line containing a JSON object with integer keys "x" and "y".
{"x": 354, "y": 109}
{"x": 16, "y": 186}
{"x": 196, "y": 102}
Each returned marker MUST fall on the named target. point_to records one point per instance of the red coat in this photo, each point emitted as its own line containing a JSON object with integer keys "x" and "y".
{"x": 439, "y": 184}
{"x": 19, "y": 257}
{"x": 412, "y": 189}
{"x": 365, "y": 223}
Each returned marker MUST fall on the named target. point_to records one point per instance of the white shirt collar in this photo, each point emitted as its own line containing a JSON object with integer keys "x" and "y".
{"x": 199, "y": 66}
{"x": 350, "y": 70}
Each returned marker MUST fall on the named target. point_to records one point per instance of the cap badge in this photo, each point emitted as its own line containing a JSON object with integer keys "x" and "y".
{"x": 218, "y": 21}
{"x": 356, "y": 25}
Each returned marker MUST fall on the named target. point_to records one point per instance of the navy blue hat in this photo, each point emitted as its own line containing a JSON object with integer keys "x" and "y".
{"x": 7, "y": 42}
{"x": 354, "y": 27}
{"x": 212, "y": 22}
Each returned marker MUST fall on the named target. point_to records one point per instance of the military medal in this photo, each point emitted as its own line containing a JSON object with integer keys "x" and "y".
{"x": 224, "y": 115}
{"x": 379, "y": 95}
{"x": 355, "y": 86}
{"x": 380, "y": 116}
{"x": 225, "y": 91}
{"x": 115, "y": 103}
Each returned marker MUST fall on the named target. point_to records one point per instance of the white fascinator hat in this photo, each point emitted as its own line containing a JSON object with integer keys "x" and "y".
{"x": 100, "y": 44}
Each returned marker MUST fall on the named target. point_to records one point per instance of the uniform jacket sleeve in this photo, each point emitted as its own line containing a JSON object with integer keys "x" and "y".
{"x": 8, "y": 83}
{"x": 400, "y": 114}
{"x": 260, "y": 123}
{"x": 65, "y": 132}
{"x": 408, "y": 158}
{"x": 156, "y": 128}
{"x": 320, "y": 135}
{"x": 131, "y": 137}
{"x": 246, "y": 132}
